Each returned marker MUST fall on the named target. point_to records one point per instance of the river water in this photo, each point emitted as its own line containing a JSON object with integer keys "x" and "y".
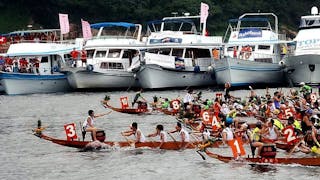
{"x": 24, "y": 156}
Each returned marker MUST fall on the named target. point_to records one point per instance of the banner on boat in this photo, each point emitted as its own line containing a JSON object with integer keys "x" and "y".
{"x": 70, "y": 130}
{"x": 179, "y": 63}
{"x": 86, "y": 30}
{"x": 64, "y": 23}
{"x": 250, "y": 33}
{"x": 165, "y": 40}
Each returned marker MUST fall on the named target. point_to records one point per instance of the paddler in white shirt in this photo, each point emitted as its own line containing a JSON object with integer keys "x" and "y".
{"x": 184, "y": 135}
{"x": 136, "y": 132}
{"x": 161, "y": 133}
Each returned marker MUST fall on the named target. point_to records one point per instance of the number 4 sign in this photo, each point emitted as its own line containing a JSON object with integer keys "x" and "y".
{"x": 70, "y": 130}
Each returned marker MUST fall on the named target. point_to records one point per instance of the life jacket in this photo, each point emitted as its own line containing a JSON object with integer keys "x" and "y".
{"x": 278, "y": 124}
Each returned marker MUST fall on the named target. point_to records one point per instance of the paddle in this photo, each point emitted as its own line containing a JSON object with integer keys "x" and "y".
{"x": 132, "y": 144}
{"x": 292, "y": 150}
{"x": 175, "y": 142}
{"x": 198, "y": 151}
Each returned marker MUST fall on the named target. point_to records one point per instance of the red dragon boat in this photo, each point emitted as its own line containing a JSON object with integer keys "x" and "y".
{"x": 305, "y": 161}
{"x": 170, "y": 145}
{"x": 140, "y": 110}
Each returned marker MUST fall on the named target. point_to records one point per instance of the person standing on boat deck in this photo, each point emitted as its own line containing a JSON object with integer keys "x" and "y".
{"x": 83, "y": 57}
{"x": 184, "y": 135}
{"x": 215, "y": 54}
{"x": 137, "y": 96}
{"x": 161, "y": 133}
{"x": 134, "y": 130}
{"x": 88, "y": 124}
{"x": 75, "y": 56}
{"x": 235, "y": 52}
{"x": 188, "y": 99}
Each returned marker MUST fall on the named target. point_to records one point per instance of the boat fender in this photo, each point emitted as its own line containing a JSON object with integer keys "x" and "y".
{"x": 282, "y": 63}
{"x": 90, "y": 67}
{"x": 196, "y": 69}
{"x": 210, "y": 69}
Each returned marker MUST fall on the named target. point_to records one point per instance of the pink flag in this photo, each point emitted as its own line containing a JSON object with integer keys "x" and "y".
{"x": 204, "y": 12}
{"x": 86, "y": 30}
{"x": 64, "y": 23}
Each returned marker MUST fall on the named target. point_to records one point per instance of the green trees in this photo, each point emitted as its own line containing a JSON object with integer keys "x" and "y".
{"x": 18, "y": 14}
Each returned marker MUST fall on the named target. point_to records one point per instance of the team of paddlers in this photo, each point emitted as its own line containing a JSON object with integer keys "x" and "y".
{"x": 288, "y": 119}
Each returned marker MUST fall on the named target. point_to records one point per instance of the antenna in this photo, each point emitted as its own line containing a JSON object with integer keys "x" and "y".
{"x": 314, "y": 10}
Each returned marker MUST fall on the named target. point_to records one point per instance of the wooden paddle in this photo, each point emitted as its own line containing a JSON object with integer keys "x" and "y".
{"x": 132, "y": 144}
{"x": 197, "y": 151}
{"x": 175, "y": 142}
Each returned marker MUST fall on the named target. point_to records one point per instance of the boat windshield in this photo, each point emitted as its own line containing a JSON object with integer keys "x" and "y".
{"x": 309, "y": 22}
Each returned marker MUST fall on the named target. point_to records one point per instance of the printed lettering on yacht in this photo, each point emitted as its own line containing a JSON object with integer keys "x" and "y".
{"x": 166, "y": 40}
{"x": 309, "y": 43}
{"x": 250, "y": 33}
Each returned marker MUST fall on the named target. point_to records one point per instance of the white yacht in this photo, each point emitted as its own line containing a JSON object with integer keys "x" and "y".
{"x": 303, "y": 64}
{"x": 113, "y": 56}
{"x": 178, "y": 54}
{"x": 252, "y": 52}
{"x": 35, "y": 67}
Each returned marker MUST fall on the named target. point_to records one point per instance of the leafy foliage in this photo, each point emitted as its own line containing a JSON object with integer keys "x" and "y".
{"x": 18, "y": 14}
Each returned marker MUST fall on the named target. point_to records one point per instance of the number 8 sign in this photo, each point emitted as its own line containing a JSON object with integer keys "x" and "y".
{"x": 70, "y": 130}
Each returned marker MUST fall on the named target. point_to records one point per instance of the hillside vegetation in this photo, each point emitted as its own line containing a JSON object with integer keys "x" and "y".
{"x": 17, "y": 14}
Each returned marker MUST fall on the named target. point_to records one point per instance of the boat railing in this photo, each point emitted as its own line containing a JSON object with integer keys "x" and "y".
{"x": 259, "y": 57}
{"x": 114, "y": 37}
{"x": 44, "y": 41}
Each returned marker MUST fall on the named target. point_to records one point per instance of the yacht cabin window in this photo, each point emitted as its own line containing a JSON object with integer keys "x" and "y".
{"x": 101, "y": 54}
{"x": 44, "y": 59}
{"x": 90, "y": 54}
{"x": 154, "y": 51}
{"x": 111, "y": 65}
{"x": 114, "y": 53}
{"x": 263, "y": 47}
{"x": 177, "y": 52}
{"x": 165, "y": 51}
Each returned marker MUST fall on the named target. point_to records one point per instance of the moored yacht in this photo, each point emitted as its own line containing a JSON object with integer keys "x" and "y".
{"x": 303, "y": 64}
{"x": 34, "y": 67}
{"x": 113, "y": 56}
{"x": 178, "y": 54}
{"x": 252, "y": 51}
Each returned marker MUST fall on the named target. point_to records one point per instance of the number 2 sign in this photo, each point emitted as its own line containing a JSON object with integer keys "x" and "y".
{"x": 70, "y": 130}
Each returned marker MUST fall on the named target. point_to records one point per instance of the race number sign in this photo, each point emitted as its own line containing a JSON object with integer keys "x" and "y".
{"x": 209, "y": 120}
{"x": 236, "y": 146}
{"x": 175, "y": 105}
{"x": 70, "y": 130}
{"x": 290, "y": 135}
{"x": 124, "y": 102}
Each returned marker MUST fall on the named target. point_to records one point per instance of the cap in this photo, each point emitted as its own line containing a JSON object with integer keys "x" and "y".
{"x": 309, "y": 111}
{"x": 302, "y": 84}
{"x": 229, "y": 120}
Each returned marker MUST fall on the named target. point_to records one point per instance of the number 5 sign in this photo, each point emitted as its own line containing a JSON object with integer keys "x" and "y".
{"x": 70, "y": 130}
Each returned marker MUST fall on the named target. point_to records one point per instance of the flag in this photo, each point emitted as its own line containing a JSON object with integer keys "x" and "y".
{"x": 204, "y": 12}
{"x": 86, "y": 30}
{"x": 64, "y": 23}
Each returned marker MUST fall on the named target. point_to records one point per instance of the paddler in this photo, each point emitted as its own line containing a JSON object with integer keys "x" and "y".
{"x": 88, "y": 124}
{"x": 256, "y": 137}
{"x": 134, "y": 130}
{"x": 161, "y": 133}
{"x": 184, "y": 135}
{"x": 137, "y": 96}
